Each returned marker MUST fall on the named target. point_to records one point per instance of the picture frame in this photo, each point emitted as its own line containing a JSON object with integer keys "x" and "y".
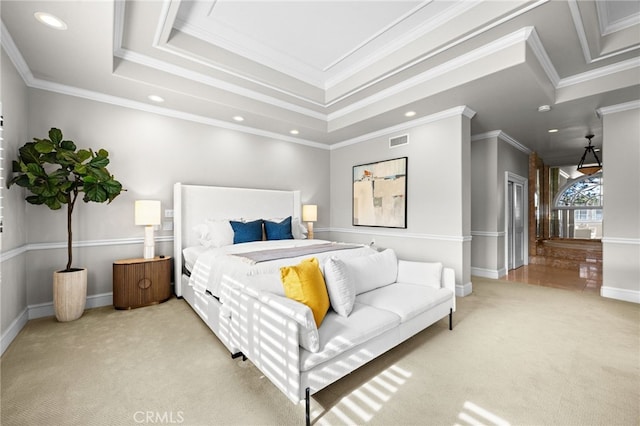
{"x": 379, "y": 192}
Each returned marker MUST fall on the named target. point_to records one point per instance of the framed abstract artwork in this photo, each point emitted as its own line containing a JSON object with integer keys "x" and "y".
{"x": 380, "y": 194}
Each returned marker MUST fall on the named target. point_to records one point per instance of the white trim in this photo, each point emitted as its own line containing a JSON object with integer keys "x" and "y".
{"x": 618, "y": 108}
{"x": 451, "y": 112}
{"x": 12, "y": 331}
{"x": 489, "y": 234}
{"x": 620, "y": 294}
{"x": 41, "y": 310}
{"x": 463, "y": 290}
{"x": 394, "y": 234}
{"x": 618, "y": 240}
{"x": 499, "y": 134}
{"x": 10, "y": 254}
{"x": 605, "y": 71}
{"x": 488, "y": 273}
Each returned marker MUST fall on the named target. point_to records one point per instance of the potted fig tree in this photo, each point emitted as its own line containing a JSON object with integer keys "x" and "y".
{"x": 56, "y": 173}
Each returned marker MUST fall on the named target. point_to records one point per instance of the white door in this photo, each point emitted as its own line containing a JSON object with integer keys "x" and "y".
{"x": 516, "y": 223}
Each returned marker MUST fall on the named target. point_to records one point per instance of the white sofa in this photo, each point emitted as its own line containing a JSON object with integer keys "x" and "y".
{"x": 394, "y": 300}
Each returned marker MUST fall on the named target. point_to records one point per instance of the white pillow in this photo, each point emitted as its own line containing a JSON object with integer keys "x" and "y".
{"x": 340, "y": 286}
{"x": 214, "y": 233}
{"x": 220, "y": 233}
{"x": 373, "y": 271}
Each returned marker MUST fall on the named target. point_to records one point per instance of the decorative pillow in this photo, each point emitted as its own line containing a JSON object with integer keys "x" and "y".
{"x": 372, "y": 271}
{"x": 341, "y": 288}
{"x": 304, "y": 282}
{"x": 278, "y": 230}
{"x": 298, "y": 230}
{"x": 220, "y": 233}
{"x": 244, "y": 232}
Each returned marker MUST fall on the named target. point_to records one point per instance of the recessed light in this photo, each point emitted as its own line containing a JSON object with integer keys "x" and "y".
{"x": 50, "y": 21}
{"x": 409, "y": 113}
{"x": 238, "y": 118}
{"x": 553, "y": 130}
{"x": 294, "y": 132}
{"x": 155, "y": 98}
{"x": 544, "y": 108}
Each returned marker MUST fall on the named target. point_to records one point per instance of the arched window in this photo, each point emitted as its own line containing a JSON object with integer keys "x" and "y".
{"x": 579, "y": 208}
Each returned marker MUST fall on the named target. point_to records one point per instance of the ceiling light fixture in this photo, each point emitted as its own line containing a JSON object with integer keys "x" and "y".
{"x": 294, "y": 132}
{"x": 155, "y": 98}
{"x": 589, "y": 168}
{"x": 409, "y": 113}
{"x": 50, "y": 21}
{"x": 553, "y": 130}
{"x": 544, "y": 108}
{"x": 238, "y": 118}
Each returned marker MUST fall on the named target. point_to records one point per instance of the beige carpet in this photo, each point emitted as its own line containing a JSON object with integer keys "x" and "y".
{"x": 518, "y": 354}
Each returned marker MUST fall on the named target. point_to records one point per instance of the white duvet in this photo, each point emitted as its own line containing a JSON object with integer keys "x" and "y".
{"x": 212, "y": 265}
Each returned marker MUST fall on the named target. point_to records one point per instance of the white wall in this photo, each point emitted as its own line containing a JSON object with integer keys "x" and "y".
{"x": 621, "y": 210}
{"x": 438, "y": 193}
{"x": 13, "y": 290}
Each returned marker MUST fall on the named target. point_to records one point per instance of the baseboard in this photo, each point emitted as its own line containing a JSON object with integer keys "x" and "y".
{"x": 463, "y": 290}
{"x": 488, "y": 273}
{"x": 620, "y": 294}
{"x": 46, "y": 309}
{"x": 13, "y": 330}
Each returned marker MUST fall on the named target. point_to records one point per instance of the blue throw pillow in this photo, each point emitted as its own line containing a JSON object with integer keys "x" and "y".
{"x": 244, "y": 232}
{"x": 278, "y": 230}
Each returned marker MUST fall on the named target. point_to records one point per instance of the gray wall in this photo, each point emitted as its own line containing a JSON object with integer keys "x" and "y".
{"x": 438, "y": 194}
{"x": 621, "y": 210}
{"x": 13, "y": 289}
{"x": 492, "y": 158}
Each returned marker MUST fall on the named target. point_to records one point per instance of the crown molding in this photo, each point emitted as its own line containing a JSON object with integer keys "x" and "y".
{"x": 14, "y": 54}
{"x": 499, "y": 134}
{"x": 618, "y": 108}
{"x": 629, "y": 64}
{"x": 452, "y": 112}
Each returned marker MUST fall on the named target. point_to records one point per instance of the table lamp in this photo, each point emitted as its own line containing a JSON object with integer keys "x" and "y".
{"x": 147, "y": 213}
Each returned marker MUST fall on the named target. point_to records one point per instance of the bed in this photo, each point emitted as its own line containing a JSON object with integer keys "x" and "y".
{"x": 201, "y": 272}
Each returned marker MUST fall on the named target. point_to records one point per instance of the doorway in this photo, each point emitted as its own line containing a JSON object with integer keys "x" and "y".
{"x": 516, "y": 221}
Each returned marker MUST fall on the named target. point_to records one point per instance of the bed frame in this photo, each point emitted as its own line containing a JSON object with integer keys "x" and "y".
{"x": 192, "y": 205}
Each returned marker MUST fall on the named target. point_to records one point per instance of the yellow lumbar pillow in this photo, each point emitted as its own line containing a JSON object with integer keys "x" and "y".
{"x": 304, "y": 283}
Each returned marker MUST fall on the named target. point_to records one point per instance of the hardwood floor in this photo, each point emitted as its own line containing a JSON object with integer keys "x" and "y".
{"x": 586, "y": 277}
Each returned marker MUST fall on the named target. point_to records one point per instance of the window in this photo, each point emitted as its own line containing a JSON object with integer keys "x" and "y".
{"x": 578, "y": 208}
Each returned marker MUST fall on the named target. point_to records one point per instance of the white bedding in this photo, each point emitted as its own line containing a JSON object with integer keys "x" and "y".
{"x": 212, "y": 265}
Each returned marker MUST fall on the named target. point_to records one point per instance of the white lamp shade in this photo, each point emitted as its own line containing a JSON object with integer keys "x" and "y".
{"x": 309, "y": 213}
{"x": 147, "y": 212}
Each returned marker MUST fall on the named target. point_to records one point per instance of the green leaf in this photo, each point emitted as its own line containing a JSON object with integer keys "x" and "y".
{"x": 28, "y": 153}
{"x": 44, "y": 146}
{"x": 68, "y": 145}
{"x": 103, "y": 153}
{"x": 55, "y": 135}
{"x": 112, "y": 187}
{"x": 95, "y": 193}
{"x": 99, "y": 162}
{"x": 89, "y": 179}
{"x": 83, "y": 155}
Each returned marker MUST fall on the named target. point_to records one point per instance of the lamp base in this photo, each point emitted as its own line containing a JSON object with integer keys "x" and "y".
{"x": 310, "y": 230}
{"x": 149, "y": 243}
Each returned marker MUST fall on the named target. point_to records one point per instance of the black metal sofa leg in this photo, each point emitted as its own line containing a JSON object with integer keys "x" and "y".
{"x": 451, "y": 319}
{"x": 306, "y": 408}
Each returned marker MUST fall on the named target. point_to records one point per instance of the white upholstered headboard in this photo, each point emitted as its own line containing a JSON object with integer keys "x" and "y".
{"x": 193, "y": 204}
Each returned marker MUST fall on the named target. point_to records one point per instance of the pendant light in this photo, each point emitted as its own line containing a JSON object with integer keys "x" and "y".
{"x": 590, "y": 167}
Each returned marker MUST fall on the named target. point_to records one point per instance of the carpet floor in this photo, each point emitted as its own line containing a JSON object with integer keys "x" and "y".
{"x": 518, "y": 355}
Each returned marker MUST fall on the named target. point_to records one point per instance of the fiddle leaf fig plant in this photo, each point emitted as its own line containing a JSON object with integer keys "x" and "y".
{"x": 56, "y": 173}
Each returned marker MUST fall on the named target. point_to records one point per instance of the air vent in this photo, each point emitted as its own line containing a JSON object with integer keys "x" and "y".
{"x": 398, "y": 141}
